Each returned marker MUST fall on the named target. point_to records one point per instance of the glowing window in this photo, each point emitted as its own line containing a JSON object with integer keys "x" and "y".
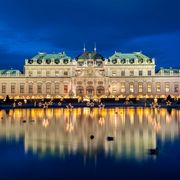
{"x": 3, "y": 88}
{"x": 65, "y": 88}
{"x": 167, "y": 87}
{"x": 149, "y": 88}
{"x": 176, "y": 88}
{"x": 123, "y": 87}
{"x": 21, "y": 88}
{"x": 140, "y": 87}
{"x": 39, "y": 88}
{"x": 158, "y": 87}
{"x": 131, "y": 88}
{"x": 30, "y": 88}
{"x": 12, "y": 88}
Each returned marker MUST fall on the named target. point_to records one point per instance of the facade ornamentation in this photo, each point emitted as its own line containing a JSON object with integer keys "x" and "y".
{"x": 89, "y": 75}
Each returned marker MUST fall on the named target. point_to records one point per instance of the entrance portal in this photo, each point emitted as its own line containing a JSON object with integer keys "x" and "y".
{"x": 79, "y": 91}
{"x": 90, "y": 91}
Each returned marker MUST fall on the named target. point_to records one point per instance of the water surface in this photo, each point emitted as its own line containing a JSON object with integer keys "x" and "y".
{"x": 55, "y": 143}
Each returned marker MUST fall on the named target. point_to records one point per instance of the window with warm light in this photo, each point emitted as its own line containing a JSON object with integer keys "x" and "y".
{"x": 167, "y": 87}
{"x": 56, "y": 73}
{"x": 56, "y": 88}
{"x": 131, "y": 88}
{"x": 39, "y": 88}
{"x": 140, "y": 87}
{"x": 123, "y": 87}
{"x": 48, "y": 88}
{"x": 30, "y": 88}
{"x": 3, "y": 88}
{"x": 149, "y": 88}
{"x": 12, "y": 88}
{"x": 113, "y": 73}
{"x": 65, "y": 89}
{"x": 158, "y": 87}
{"x": 21, "y": 88}
{"x": 176, "y": 88}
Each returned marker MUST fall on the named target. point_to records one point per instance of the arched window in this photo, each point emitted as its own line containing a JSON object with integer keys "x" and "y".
{"x": 100, "y": 90}
{"x": 79, "y": 91}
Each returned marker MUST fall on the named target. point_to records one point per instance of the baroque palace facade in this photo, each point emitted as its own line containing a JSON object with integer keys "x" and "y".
{"x": 89, "y": 75}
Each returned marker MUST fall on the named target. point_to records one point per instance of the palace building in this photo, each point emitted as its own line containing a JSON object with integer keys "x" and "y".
{"x": 121, "y": 75}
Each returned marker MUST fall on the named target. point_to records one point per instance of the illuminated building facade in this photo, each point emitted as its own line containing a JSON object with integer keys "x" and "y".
{"x": 89, "y": 75}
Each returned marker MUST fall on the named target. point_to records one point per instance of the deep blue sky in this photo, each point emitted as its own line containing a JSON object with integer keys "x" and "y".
{"x": 31, "y": 26}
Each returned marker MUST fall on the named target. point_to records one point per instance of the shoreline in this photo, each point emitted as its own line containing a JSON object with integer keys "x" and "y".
{"x": 83, "y": 105}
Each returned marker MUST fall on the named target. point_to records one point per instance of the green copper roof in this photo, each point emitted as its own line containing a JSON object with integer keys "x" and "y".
{"x": 45, "y": 56}
{"x": 167, "y": 70}
{"x": 9, "y": 72}
{"x": 119, "y": 55}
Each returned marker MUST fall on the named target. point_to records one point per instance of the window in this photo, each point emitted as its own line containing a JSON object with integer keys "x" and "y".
{"x": 131, "y": 88}
{"x": 48, "y": 88}
{"x": 122, "y": 87}
{"x": 122, "y": 73}
{"x": 47, "y": 73}
{"x": 30, "y": 88}
{"x": 30, "y": 73}
{"x": 79, "y": 83}
{"x": 39, "y": 73}
{"x": 131, "y": 73}
{"x": 176, "y": 88}
{"x": 100, "y": 82}
{"x": 149, "y": 88}
{"x": 90, "y": 83}
{"x": 21, "y": 88}
{"x": 56, "y": 88}
{"x": 39, "y": 88}
{"x": 158, "y": 87}
{"x": 149, "y": 73}
{"x": 113, "y": 73}
{"x": 65, "y": 73}
{"x": 56, "y": 73}
{"x": 140, "y": 73}
{"x": 114, "y": 89}
{"x": 65, "y": 88}
{"x": 140, "y": 87}
{"x": 167, "y": 87}
{"x": 3, "y": 88}
{"x": 12, "y": 88}
{"x": 100, "y": 90}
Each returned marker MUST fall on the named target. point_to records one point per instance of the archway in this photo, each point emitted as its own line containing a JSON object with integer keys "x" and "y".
{"x": 90, "y": 91}
{"x": 79, "y": 91}
{"x": 100, "y": 91}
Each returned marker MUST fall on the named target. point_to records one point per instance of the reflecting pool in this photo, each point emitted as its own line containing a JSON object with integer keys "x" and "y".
{"x": 55, "y": 143}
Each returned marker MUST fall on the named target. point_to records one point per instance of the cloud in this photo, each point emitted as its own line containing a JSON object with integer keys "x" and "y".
{"x": 27, "y": 27}
{"x": 163, "y": 47}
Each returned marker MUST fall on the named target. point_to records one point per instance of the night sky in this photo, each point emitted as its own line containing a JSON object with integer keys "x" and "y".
{"x": 29, "y": 27}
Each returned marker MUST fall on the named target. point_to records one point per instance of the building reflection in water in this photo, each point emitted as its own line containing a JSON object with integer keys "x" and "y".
{"x": 67, "y": 131}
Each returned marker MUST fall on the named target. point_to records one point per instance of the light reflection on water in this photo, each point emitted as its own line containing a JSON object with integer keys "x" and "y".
{"x": 64, "y": 132}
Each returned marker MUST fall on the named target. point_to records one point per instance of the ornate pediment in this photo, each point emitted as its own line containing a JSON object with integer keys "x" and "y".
{"x": 90, "y": 72}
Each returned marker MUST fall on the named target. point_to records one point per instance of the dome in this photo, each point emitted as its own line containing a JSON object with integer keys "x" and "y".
{"x": 90, "y": 55}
